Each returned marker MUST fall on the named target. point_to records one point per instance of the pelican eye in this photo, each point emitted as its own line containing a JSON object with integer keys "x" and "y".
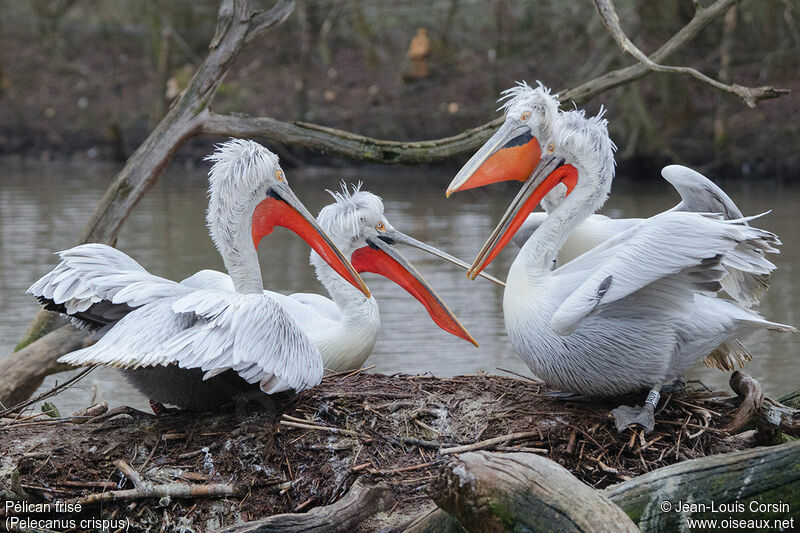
{"x": 380, "y": 227}
{"x": 551, "y": 147}
{"x": 525, "y": 116}
{"x": 279, "y": 175}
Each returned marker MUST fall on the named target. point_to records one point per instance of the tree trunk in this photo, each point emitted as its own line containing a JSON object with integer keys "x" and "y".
{"x": 25, "y": 370}
{"x": 490, "y": 492}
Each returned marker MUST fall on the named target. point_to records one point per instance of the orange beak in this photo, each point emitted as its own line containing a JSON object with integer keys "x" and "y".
{"x": 379, "y": 257}
{"x": 512, "y": 153}
{"x": 550, "y": 172}
{"x": 282, "y": 208}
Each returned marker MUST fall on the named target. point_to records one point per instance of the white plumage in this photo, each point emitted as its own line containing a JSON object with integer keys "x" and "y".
{"x": 698, "y": 194}
{"x": 639, "y": 306}
{"x": 177, "y": 340}
{"x": 206, "y": 324}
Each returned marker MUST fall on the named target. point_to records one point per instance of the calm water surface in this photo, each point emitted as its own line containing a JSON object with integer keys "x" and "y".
{"x": 44, "y": 206}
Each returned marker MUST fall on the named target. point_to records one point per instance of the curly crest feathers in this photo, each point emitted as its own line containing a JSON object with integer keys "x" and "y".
{"x": 352, "y": 209}
{"x": 241, "y": 171}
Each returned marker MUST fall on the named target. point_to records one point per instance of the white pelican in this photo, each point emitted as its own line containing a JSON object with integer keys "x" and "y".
{"x": 181, "y": 333}
{"x": 345, "y": 326}
{"x": 176, "y": 341}
{"x": 634, "y": 312}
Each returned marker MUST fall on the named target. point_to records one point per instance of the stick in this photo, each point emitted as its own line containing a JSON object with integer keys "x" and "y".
{"x": 319, "y": 428}
{"x": 131, "y": 474}
{"x": 172, "y": 490}
{"x": 488, "y": 442}
{"x": 47, "y": 394}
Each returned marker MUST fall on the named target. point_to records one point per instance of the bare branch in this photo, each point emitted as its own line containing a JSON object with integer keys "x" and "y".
{"x": 264, "y": 21}
{"x": 344, "y": 143}
{"x": 610, "y": 19}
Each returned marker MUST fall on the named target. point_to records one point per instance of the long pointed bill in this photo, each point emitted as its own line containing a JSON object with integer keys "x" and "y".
{"x": 512, "y": 153}
{"x": 550, "y": 172}
{"x": 396, "y": 236}
{"x": 382, "y": 258}
{"x": 283, "y": 208}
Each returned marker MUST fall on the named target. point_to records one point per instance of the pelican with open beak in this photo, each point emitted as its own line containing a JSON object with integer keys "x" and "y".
{"x": 637, "y": 310}
{"x": 514, "y": 151}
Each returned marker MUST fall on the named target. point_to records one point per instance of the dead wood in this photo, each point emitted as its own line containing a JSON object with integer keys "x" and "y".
{"x": 36, "y": 362}
{"x": 361, "y": 502}
{"x": 490, "y": 492}
{"x": 764, "y": 475}
{"x": 769, "y": 416}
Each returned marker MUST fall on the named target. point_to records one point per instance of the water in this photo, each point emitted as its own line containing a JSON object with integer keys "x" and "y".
{"x": 44, "y": 206}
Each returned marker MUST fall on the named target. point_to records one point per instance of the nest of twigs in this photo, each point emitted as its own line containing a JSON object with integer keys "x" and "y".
{"x": 308, "y": 451}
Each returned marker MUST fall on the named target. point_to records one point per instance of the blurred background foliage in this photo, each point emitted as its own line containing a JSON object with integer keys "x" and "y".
{"x": 89, "y": 78}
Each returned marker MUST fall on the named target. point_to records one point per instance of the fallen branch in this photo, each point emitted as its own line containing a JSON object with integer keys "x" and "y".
{"x": 47, "y": 394}
{"x": 750, "y": 95}
{"x": 130, "y": 473}
{"x": 767, "y": 413}
{"x": 360, "y": 502}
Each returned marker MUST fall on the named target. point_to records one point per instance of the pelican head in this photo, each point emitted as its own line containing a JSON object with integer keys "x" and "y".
{"x": 514, "y": 150}
{"x": 579, "y": 158}
{"x": 249, "y": 196}
{"x": 356, "y": 223}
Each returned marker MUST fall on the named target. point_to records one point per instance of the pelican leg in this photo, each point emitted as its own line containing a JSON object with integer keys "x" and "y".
{"x": 568, "y": 396}
{"x": 626, "y": 416}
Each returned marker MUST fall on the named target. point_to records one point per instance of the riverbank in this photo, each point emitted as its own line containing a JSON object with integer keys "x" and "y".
{"x": 310, "y": 449}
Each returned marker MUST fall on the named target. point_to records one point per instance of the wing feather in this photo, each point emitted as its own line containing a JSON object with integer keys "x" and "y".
{"x": 683, "y": 252}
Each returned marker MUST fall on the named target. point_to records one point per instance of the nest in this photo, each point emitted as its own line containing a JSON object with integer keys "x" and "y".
{"x": 309, "y": 449}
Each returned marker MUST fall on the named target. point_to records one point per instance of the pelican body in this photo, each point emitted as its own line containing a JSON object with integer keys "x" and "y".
{"x": 632, "y": 312}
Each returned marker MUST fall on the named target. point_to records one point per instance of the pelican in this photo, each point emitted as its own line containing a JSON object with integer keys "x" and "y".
{"x": 174, "y": 337}
{"x": 199, "y": 342}
{"x": 634, "y": 312}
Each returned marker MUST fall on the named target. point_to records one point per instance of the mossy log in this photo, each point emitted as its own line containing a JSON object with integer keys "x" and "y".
{"x": 732, "y": 482}
{"x": 490, "y": 492}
